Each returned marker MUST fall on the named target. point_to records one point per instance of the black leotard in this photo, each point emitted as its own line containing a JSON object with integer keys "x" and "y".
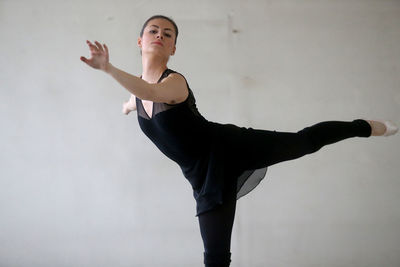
{"x": 210, "y": 154}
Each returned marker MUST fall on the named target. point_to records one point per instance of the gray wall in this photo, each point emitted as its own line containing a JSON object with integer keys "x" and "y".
{"x": 80, "y": 184}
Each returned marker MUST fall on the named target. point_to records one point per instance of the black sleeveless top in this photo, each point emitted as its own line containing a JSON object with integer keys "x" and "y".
{"x": 210, "y": 154}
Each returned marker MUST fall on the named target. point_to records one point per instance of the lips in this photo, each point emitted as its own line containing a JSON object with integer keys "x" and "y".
{"x": 159, "y": 43}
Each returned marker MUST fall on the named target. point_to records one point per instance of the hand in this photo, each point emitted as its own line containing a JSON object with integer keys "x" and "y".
{"x": 127, "y": 107}
{"x": 100, "y": 56}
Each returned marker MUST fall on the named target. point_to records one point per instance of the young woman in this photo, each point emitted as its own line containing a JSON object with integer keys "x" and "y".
{"x": 222, "y": 162}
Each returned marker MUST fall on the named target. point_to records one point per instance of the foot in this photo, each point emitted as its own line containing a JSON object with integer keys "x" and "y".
{"x": 382, "y": 128}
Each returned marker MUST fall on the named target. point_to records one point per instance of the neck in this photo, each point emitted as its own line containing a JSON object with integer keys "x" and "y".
{"x": 153, "y": 67}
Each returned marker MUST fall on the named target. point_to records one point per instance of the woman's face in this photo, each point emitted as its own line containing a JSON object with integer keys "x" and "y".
{"x": 158, "y": 37}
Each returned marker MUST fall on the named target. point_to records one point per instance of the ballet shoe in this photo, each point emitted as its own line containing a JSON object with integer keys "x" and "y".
{"x": 391, "y": 128}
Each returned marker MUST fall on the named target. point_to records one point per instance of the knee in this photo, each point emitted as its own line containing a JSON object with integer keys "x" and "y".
{"x": 307, "y": 139}
{"x": 217, "y": 259}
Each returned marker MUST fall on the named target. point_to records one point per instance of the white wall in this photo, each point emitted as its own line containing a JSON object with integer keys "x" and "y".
{"x": 80, "y": 185}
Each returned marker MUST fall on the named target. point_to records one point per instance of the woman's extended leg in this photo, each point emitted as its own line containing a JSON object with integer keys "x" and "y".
{"x": 216, "y": 230}
{"x": 271, "y": 147}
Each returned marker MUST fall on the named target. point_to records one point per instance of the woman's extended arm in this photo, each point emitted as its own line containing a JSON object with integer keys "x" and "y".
{"x": 173, "y": 89}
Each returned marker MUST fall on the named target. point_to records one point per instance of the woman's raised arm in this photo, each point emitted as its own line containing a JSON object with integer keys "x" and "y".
{"x": 173, "y": 89}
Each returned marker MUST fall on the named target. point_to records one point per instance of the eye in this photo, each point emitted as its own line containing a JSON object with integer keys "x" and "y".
{"x": 168, "y": 35}
{"x": 153, "y": 31}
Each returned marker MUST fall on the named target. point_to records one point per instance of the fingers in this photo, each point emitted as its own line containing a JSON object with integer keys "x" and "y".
{"x": 95, "y": 48}
{"x": 92, "y": 47}
{"x": 90, "y": 44}
{"x": 99, "y": 46}
{"x": 87, "y": 61}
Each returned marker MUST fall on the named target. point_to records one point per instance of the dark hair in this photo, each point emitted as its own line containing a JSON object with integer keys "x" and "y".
{"x": 160, "y": 17}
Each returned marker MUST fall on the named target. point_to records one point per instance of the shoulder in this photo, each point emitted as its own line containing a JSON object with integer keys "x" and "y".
{"x": 177, "y": 78}
{"x": 173, "y": 87}
{"x": 173, "y": 73}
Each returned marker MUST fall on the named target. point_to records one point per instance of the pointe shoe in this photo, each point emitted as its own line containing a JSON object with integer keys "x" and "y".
{"x": 391, "y": 128}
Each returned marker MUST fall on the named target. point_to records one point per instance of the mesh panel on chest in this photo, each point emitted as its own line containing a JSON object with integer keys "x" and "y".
{"x": 157, "y": 108}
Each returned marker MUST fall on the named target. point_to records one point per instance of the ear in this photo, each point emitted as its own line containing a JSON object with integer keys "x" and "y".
{"x": 173, "y": 51}
{"x": 139, "y": 42}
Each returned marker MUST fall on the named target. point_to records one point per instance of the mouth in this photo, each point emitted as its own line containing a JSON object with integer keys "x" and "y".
{"x": 159, "y": 43}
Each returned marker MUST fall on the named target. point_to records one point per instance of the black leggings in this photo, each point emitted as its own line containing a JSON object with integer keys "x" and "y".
{"x": 216, "y": 225}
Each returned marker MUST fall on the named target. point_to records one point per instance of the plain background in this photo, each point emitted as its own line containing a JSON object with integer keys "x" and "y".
{"x": 80, "y": 184}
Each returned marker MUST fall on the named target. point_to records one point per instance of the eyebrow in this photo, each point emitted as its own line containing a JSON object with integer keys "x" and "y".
{"x": 159, "y": 27}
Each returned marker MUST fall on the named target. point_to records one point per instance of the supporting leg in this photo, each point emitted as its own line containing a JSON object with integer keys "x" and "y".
{"x": 216, "y": 230}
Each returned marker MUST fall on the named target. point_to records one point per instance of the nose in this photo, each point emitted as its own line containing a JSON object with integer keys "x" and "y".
{"x": 159, "y": 36}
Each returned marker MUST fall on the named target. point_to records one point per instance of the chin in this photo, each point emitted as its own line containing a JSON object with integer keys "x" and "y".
{"x": 156, "y": 54}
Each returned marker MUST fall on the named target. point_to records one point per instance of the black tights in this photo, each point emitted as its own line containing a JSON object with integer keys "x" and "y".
{"x": 216, "y": 225}
{"x": 216, "y": 229}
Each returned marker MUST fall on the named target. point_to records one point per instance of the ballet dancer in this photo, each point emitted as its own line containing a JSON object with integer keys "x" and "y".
{"x": 222, "y": 162}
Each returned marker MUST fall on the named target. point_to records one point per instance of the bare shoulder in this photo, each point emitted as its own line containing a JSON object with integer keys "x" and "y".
{"x": 175, "y": 88}
{"x": 177, "y": 77}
